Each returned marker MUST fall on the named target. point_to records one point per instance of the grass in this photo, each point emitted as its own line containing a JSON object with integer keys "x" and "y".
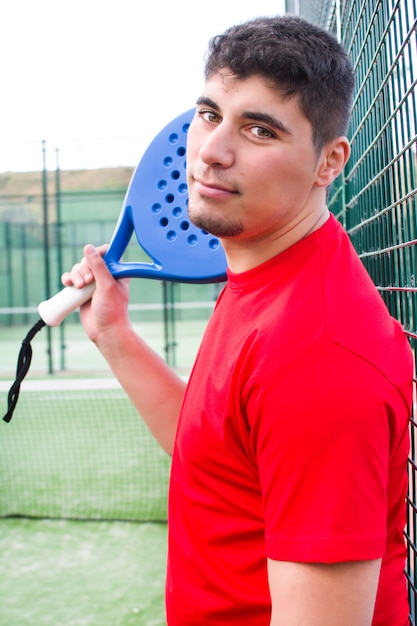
{"x": 81, "y": 454}
{"x": 65, "y": 573}
{"x": 84, "y": 454}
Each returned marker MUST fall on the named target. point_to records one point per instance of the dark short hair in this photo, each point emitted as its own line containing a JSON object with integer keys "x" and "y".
{"x": 299, "y": 59}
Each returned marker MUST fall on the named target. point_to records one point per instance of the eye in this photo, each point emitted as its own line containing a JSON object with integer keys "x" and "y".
{"x": 261, "y": 132}
{"x": 209, "y": 116}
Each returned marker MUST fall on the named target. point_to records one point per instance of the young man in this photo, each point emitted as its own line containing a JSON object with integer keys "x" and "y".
{"x": 290, "y": 441}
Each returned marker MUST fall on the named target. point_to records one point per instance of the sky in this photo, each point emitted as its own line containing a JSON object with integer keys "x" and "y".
{"x": 97, "y": 79}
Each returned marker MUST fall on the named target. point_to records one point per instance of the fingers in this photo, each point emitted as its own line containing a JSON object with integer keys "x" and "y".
{"x": 88, "y": 269}
{"x": 75, "y": 277}
{"x": 96, "y": 266}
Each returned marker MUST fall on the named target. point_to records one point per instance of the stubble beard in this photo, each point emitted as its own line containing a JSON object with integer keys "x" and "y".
{"x": 221, "y": 227}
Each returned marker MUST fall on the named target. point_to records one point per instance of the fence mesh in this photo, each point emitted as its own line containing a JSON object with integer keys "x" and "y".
{"x": 376, "y": 197}
{"x": 76, "y": 449}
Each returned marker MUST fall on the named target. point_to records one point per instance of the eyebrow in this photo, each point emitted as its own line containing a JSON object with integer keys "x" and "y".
{"x": 255, "y": 116}
{"x": 265, "y": 118}
{"x": 208, "y": 102}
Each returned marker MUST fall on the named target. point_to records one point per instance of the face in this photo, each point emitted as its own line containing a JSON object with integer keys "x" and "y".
{"x": 252, "y": 167}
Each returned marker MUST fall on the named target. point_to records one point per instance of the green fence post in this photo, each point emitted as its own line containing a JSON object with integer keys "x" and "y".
{"x": 46, "y": 250}
{"x": 59, "y": 251}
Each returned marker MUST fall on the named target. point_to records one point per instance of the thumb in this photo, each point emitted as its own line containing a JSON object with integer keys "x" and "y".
{"x": 94, "y": 260}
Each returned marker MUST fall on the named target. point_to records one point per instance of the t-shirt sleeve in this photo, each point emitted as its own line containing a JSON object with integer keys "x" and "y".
{"x": 320, "y": 434}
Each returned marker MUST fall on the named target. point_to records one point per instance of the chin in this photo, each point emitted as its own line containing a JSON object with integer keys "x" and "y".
{"x": 216, "y": 226}
{"x": 201, "y": 221}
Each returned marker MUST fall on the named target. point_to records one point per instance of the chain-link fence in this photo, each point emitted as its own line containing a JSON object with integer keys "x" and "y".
{"x": 376, "y": 197}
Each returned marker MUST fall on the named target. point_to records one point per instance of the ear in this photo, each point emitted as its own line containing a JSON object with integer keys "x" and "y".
{"x": 333, "y": 159}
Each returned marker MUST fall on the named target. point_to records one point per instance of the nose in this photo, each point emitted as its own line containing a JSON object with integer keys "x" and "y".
{"x": 217, "y": 147}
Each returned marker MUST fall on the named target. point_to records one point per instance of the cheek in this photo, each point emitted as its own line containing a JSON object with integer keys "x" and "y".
{"x": 266, "y": 177}
{"x": 292, "y": 173}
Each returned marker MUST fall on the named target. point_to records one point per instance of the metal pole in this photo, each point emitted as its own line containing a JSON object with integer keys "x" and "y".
{"x": 25, "y": 284}
{"x": 9, "y": 269}
{"x": 46, "y": 250}
{"x": 166, "y": 320}
{"x": 172, "y": 323}
{"x": 169, "y": 322}
{"x": 59, "y": 250}
{"x": 338, "y": 21}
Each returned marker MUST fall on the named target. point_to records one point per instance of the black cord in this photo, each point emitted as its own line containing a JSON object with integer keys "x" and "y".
{"x": 23, "y": 364}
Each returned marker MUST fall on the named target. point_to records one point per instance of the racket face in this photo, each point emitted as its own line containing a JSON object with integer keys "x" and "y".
{"x": 156, "y": 209}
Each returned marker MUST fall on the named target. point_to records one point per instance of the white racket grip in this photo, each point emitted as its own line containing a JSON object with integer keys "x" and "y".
{"x": 56, "y": 309}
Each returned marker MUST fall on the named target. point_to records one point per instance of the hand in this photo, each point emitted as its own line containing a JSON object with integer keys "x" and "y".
{"x": 107, "y": 308}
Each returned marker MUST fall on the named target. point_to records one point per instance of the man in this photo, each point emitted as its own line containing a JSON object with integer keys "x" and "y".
{"x": 290, "y": 441}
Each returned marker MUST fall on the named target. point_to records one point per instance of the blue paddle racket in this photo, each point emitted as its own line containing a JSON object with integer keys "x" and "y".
{"x": 155, "y": 209}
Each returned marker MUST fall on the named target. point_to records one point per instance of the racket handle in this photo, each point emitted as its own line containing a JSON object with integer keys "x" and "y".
{"x": 56, "y": 309}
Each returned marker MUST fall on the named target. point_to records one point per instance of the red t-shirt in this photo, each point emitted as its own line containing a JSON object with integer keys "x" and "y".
{"x": 293, "y": 437}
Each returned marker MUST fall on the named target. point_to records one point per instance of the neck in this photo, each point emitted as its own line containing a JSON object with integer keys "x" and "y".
{"x": 243, "y": 255}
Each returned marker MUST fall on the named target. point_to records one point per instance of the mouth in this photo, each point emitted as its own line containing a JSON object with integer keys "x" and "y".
{"x": 212, "y": 189}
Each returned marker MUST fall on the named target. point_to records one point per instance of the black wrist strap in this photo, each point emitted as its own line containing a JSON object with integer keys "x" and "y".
{"x": 23, "y": 364}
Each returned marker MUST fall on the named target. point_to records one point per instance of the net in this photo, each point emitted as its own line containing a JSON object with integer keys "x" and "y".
{"x": 77, "y": 449}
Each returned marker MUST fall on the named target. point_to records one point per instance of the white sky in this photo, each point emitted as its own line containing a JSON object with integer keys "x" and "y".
{"x": 98, "y": 79}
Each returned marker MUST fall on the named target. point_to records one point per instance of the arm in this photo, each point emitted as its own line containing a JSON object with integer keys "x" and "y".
{"x": 318, "y": 594}
{"x": 152, "y": 386}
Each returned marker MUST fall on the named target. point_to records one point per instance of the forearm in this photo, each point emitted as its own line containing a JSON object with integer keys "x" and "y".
{"x": 152, "y": 386}
{"x": 154, "y": 389}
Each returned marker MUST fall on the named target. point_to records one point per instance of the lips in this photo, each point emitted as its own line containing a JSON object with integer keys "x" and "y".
{"x": 212, "y": 189}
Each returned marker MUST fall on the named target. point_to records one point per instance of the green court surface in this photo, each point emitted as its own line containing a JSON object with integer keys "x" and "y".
{"x": 83, "y": 494}
{"x": 68, "y": 573}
